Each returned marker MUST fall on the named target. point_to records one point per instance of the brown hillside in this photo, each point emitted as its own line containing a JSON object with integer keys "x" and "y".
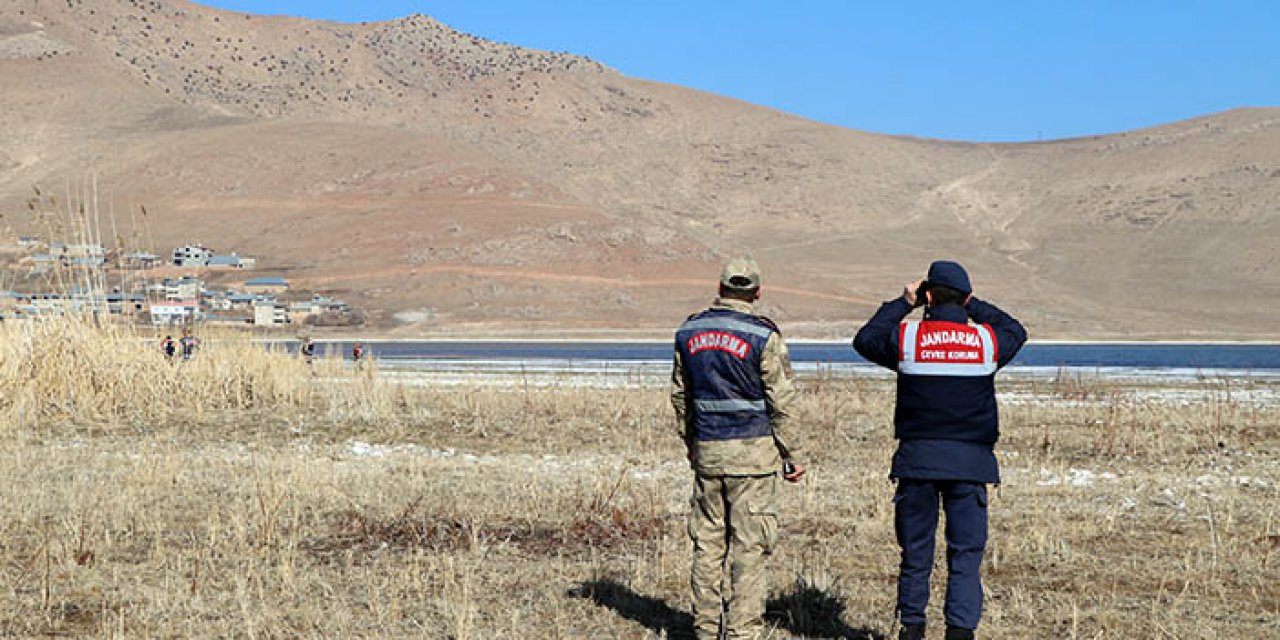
{"x": 448, "y": 183}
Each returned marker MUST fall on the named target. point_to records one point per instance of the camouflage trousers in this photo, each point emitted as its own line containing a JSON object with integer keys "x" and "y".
{"x": 733, "y": 522}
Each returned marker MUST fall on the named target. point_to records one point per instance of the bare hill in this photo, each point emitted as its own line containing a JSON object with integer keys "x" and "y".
{"x": 449, "y": 183}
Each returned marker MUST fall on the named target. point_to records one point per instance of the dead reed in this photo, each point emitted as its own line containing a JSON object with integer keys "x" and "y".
{"x": 69, "y": 370}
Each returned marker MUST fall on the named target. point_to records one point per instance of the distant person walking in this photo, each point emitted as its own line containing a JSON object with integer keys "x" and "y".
{"x": 357, "y": 354}
{"x": 308, "y": 350}
{"x": 190, "y": 344}
{"x": 732, "y": 391}
{"x": 168, "y": 347}
{"x": 946, "y": 424}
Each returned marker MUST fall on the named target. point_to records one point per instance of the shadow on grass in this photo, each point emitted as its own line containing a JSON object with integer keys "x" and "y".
{"x": 810, "y": 612}
{"x": 654, "y": 614}
{"x": 804, "y": 611}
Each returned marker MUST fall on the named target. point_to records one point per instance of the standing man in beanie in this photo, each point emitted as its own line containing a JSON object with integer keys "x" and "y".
{"x": 732, "y": 390}
{"x": 946, "y": 425}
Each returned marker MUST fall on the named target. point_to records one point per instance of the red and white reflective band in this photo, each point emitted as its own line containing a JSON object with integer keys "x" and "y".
{"x": 933, "y": 348}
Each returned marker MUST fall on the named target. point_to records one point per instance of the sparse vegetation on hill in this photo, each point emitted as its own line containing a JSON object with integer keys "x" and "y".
{"x": 271, "y": 66}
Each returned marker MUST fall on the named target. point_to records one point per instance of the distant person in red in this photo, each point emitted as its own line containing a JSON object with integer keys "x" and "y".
{"x": 169, "y": 347}
{"x": 357, "y": 353}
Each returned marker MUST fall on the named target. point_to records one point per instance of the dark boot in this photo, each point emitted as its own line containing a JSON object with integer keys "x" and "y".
{"x": 956, "y": 633}
{"x": 911, "y": 632}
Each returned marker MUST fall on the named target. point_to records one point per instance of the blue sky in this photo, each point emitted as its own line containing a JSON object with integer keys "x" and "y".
{"x": 960, "y": 69}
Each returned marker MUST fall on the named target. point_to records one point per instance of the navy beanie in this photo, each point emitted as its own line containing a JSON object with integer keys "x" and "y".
{"x": 946, "y": 273}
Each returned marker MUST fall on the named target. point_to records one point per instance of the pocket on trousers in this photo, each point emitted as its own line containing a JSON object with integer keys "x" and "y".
{"x": 981, "y": 494}
{"x": 763, "y": 508}
{"x": 899, "y": 492}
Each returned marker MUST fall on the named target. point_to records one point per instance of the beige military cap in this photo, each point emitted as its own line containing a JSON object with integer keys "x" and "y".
{"x": 740, "y": 273}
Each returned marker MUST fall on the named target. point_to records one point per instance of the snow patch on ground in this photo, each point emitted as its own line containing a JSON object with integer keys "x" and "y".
{"x": 1162, "y": 396}
{"x": 546, "y": 463}
{"x": 1170, "y": 491}
{"x": 1209, "y": 480}
{"x": 1073, "y": 478}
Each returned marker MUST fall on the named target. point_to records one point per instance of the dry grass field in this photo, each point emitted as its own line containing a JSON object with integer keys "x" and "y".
{"x": 243, "y": 494}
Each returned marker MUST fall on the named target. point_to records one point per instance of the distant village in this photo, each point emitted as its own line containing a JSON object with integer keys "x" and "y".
{"x": 57, "y": 278}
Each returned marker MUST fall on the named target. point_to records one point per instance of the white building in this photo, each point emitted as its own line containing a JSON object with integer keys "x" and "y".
{"x": 186, "y": 288}
{"x": 83, "y": 250}
{"x": 269, "y": 312}
{"x": 192, "y": 256}
{"x": 180, "y": 312}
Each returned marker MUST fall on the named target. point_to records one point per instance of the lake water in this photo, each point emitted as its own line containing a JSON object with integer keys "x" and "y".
{"x": 1168, "y": 358}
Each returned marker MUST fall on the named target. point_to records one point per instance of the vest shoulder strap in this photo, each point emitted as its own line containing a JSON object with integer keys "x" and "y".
{"x": 732, "y": 321}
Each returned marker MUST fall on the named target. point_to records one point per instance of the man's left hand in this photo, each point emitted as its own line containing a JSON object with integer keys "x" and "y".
{"x": 796, "y": 473}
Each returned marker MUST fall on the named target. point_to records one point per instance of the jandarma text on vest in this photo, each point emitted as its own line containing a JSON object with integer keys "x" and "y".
{"x": 719, "y": 341}
{"x": 953, "y": 337}
{"x": 950, "y": 356}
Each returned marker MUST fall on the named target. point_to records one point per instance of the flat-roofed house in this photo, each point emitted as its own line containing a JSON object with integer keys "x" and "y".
{"x": 174, "y": 312}
{"x": 268, "y": 311}
{"x": 232, "y": 261}
{"x": 128, "y": 304}
{"x": 317, "y": 305}
{"x": 192, "y": 255}
{"x": 54, "y": 304}
{"x": 79, "y": 250}
{"x": 217, "y": 300}
{"x": 242, "y": 300}
{"x": 184, "y": 288}
{"x": 140, "y": 260}
{"x": 266, "y": 285}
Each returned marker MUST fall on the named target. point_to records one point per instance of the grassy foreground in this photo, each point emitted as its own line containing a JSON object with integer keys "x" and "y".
{"x": 244, "y": 494}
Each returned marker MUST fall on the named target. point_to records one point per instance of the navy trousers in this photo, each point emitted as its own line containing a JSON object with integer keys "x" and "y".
{"x": 916, "y": 525}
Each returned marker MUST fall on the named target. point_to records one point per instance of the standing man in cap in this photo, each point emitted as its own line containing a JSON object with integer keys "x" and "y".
{"x": 732, "y": 391}
{"x": 946, "y": 425}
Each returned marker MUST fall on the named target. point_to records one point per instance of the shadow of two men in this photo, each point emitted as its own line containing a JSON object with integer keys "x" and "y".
{"x": 803, "y": 611}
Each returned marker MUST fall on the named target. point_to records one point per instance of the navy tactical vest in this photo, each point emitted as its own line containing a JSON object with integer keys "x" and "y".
{"x": 721, "y": 350}
{"x": 946, "y": 382}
